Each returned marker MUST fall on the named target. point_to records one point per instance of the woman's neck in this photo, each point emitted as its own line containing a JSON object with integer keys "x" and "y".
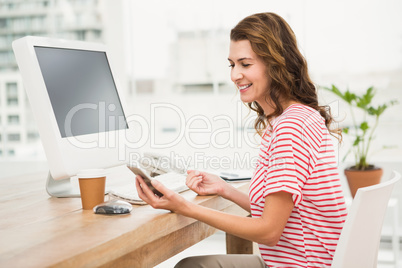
{"x": 269, "y": 108}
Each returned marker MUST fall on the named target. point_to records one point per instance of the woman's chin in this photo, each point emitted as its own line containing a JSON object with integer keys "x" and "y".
{"x": 245, "y": 99}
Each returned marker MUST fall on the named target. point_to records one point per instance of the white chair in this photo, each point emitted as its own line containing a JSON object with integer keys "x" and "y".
{"x": 361, "y": 234}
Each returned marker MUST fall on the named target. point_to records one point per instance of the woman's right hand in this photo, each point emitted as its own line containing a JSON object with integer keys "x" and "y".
{"x": 204, "y": 183}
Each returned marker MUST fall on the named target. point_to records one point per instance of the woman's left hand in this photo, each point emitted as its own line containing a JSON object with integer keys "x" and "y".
{"x": 170, "y": 199}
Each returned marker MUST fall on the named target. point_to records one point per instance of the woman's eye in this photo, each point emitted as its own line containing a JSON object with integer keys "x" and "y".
{"x": 243, "y": 65}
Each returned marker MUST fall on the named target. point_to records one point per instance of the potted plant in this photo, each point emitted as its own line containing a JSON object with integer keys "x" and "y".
{"x": 362, "y": 131}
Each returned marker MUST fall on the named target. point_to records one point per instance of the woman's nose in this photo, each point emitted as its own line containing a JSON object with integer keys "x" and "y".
{"x": 235, "y": 74}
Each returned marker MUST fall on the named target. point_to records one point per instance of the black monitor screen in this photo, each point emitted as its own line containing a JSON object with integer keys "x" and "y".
{"x": 82, "y": 91}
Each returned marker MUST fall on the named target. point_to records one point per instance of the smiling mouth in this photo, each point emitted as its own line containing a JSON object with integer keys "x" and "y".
{"x": 244, "y": 88}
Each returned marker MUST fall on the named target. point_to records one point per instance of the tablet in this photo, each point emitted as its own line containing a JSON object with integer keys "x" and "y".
{"x": 229, "y": 176}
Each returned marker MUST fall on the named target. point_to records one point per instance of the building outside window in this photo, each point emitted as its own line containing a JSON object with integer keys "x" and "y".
{"x": 67, "y": 19}
{"x": 13, "y": 119}
{"x": 32, "y": 136}
{"x": 12, "y": 94}
{"x": 13, "y": 137}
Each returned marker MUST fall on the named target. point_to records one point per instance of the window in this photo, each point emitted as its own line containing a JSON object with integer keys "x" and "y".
{"x": 81, "y": 34}
{"x": 12, "y": 89}
{"x": 192, "y": 88}
{"x": 12, "y": 94}
{"x": 14, "y": 137}
{"x": 32, "y": 136}
{"x": 13, "y": 119}
{"x": 12, "y": 101}
{"x": 3, "y": 23}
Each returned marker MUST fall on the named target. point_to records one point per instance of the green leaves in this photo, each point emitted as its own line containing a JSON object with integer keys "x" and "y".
{"x": 364, "y": 101}
{"x": 381, "y": 108}
{"x": 362, "y": 130}
{"x": 348, "y": 96}
{"x": 357, "y": 140}
{"x": 364, "y": 126}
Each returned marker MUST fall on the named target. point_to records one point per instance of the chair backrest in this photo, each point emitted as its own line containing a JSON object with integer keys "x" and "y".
{"x": 361, "y": 233}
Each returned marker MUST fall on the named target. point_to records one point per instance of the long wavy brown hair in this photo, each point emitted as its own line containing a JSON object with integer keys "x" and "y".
{"x": 275, "y": 43}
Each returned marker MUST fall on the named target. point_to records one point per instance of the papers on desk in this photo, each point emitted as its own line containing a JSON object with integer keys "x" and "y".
{"x": 174, "y": 181}
{"x": 130, "y": 197}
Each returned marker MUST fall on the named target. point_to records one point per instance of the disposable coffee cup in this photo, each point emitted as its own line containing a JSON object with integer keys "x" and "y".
{"x": 92, "y": 187}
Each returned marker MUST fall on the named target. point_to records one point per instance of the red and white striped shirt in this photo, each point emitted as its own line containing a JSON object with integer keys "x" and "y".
{"x": 297, "y": 156}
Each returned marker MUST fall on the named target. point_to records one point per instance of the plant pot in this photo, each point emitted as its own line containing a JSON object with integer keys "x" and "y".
{"x": 362, "y": 178}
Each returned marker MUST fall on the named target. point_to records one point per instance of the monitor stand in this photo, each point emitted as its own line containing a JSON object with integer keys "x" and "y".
{"x": 60, "y": 188}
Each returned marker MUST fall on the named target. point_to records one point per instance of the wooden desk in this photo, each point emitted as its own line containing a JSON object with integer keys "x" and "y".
{"x": 37, "y": 230}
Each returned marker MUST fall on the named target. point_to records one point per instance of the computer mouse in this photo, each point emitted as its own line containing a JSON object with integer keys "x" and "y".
{"x": 114, "y": 206}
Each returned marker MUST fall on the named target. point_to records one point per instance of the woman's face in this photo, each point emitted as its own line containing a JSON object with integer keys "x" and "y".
{"x": 248, "y": 73}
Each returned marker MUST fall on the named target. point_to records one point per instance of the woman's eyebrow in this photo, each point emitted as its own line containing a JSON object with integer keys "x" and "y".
{"x": 241, "y": 59}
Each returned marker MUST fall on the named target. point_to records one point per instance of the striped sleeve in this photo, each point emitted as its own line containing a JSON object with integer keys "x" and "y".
{"x": 289, "y": 160}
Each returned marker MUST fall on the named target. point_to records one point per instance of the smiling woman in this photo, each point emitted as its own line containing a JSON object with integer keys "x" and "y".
{"x": 248, "y": 72}
{"x": 295, "y": 196}
{"x": 266, "y": 44}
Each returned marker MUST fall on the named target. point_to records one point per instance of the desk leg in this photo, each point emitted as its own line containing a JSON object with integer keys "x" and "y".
{"x": 237, "y": 245}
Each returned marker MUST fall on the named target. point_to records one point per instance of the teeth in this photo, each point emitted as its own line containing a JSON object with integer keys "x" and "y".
{"x": 244, "y": 87}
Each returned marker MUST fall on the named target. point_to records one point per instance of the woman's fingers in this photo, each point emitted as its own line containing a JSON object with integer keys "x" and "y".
{"x": 194, "y": 174}
{"x": 194, "y": 182}
{"x": 138, "y": 182}
{"x": 160, "y": 187}
{"x": 142, "y": 188}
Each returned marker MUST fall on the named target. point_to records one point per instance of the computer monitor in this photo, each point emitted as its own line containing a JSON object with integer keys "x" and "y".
{"x": 77, "y": 105}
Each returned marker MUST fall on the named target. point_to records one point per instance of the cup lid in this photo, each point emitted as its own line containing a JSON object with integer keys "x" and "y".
{"x": 91, "y": 173}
